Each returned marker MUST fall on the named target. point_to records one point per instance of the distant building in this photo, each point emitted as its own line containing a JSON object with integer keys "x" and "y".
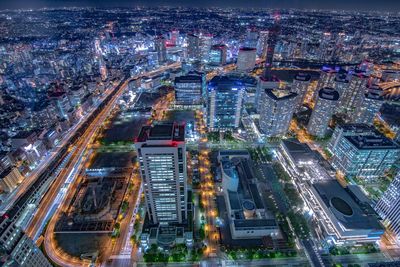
{"x": 246, "y": 59}
{"x": 324, "y": 108}
{"x": 276, "y": 111}
{"x": 218, "y": 55}
{"x": 17, "y": 249}
{"x": 262, "y": 45}
{"x": 225, "y": 101}
{"x": 352, "y": 97}
{"x": 162, "y": 156}
{"x": 188, "y": 90}
{"x": 347, "y": 217}
{"x": 61, "y": 102}
{"x": 193, "y": 48}
{"x": 361, "y": 152}
{"x": 370, "y": 105}
{"x": 248, "y": 217}
{"x": 300, "y": 86}
{"x": 273, "y": 34}
{"x": 161, "y": 49}
{"x": 9, "y": 179}
{"x": 388, "y": 206}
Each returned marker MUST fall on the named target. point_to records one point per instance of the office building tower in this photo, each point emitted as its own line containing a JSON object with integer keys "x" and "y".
{"x": 300, "y": 86}
{"x": 225, "y": 101}
{"x": 188, "y": 90}
{"x": 263, "y": 83}
{"x": 349, "y": 129}
{"x": 251, "y": 38}
{"x": 246, "y": 59}
{"x": 388, "y": 206}
{"x": 161, "y": 152}
{"x": 276, "y": 111}
{"x": 327, "y": 78}
{"x": 326, "y": 102}
{"x": 368, "y": 108}
{"x": 352, "y": 97}
{"x": 193, "y": 48}
{"x": 360, "y": 151}
{"x": 262, "y": 44}
{"x": 218, "y": 55}
{"x": 205, "y": 45}
{"x": 161, "y": 49}
{"x": 17, "y": 249}
{"x": 273, "y": 34}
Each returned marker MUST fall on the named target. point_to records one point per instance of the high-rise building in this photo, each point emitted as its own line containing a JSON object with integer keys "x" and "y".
{"x": 262, "y": 45}
{"x": 327, "y": 78}
{"x": 251, "y": 38}
{"x": 370, "y": 105}
{"x": 246, "y": 59}
{"x": 388, "y": 206}
{"x": 225, "y": 101}
{"x": 218, "y": 55}
{"x": 193, "y": 48}
{"x": 17, "y": 249}
{"x": 273, "y": 34}
{"x": 324, "y": 108}
{"x": 263, "y": 83}
{"x": 360, "y": 151}
{"x": 161, "y": 152}
{"x": 352, "y": 97}
{"x": 348, "y": 129}
{"x": 188, "y": 90}
{"x": 161, "y": 49}
{"x": 300, "y": 86}
{"x": 276, "y": 111}
{"x": 205, "y": 45}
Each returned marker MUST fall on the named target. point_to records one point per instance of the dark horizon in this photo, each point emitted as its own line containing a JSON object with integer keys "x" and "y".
{"x": 352, "y": 5}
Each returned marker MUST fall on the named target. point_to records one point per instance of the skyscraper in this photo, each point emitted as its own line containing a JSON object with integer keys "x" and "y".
{"x": 262, "y": 44}
{"x": 300, "y": 86}
{"x": 161, "y": 152}
{"x": 225, "y": 101}
{"x": 205, "y": 45}
{"x": 273, "y": 34}
{"x": 193, "y": 48}
{"x": 352, "y": 97}
{"x": 246, "y": 59}
{"x": 276, "y": 111}
{"x": 188, "y": 89}
{"x": 388, "y": 206}
{"x": 368, "y": 108}
{"x": 160, "y": 46}
{"x": 324, "y": 108}
{"x": 251, "y": 38}
{"x": 218, "y": 55}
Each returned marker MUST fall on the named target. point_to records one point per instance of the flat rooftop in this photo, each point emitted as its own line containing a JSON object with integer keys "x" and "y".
{"x": 111, "y": 160}
{"x": 299, "y": 152}
{"x": 162, "y": 131}
{"x": 344, "y": 206}
{"x": 277, "y": 94}
{"x": 372, "y": 142}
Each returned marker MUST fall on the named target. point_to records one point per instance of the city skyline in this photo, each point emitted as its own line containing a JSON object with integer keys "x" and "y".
{"x": 352, "y": 5}
{"x": 158, "y": 135}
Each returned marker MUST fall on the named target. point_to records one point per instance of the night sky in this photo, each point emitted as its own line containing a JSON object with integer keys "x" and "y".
{"x": 383, "y": 5}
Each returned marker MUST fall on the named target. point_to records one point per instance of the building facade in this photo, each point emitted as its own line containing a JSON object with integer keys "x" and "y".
{"x": 246, "y": 59}
{"x": 324, "y": 108}
{"x": 188, "y": 90}
{"x": 224, "y": 104}
{"x": 300, "y": 85}
{"x": 388, "y": 206}
{"x": 366, "y": 154}
{"x": 161, "y": 153}
{"x": 276, "y": 111}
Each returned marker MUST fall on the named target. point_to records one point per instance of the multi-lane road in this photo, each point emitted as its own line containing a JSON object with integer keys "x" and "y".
{"x": 74, "y": 165}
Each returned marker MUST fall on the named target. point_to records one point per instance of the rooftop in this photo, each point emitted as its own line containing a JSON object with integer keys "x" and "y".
{"x": 328, "y": 94}
{"x": 162, "y": 131}
{"x": 344, "y": 206}
{"x": 372, "y": 142}
{"x": 278, "y": 95}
